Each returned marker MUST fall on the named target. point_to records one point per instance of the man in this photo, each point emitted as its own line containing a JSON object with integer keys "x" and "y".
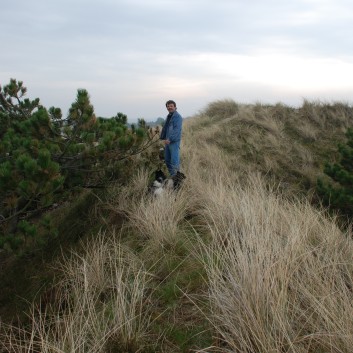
{"x": 171, "y": 136}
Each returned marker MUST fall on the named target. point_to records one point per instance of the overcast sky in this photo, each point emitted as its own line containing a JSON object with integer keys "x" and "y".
{"x": 133, "y": 55}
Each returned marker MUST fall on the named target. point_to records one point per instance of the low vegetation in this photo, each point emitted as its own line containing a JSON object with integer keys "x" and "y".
{"x": 242, "y": 259}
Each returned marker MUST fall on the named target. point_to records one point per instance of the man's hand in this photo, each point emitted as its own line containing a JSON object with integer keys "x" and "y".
{"x": 166, "y": 142}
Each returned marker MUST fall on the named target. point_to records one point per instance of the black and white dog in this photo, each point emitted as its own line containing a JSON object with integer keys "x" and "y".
{"x": 161, "y": 182}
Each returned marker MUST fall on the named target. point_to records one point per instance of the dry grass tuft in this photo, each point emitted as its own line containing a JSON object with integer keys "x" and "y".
{"x": 158, "y": 219}
{"x": 221, "y": 108}
{"x": 280, "y": 273}
{"x": 102, "y": 304}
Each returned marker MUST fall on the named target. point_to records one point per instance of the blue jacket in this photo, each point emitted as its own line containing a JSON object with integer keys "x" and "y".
{"x": 172, "y": 128}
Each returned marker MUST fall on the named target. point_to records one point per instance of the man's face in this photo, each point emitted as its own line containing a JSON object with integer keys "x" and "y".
{"x": 171, "y": 108}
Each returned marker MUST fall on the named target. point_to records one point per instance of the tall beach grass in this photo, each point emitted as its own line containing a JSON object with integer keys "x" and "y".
{"x": 101, "y": 305}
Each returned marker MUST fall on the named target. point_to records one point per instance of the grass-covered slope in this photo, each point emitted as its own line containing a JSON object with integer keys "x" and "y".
{"x": 239, "y": 260}
{"x": 289, "y": 144}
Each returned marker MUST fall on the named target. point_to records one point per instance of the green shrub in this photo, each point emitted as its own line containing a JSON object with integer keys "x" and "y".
{"x": 338, "y": 193}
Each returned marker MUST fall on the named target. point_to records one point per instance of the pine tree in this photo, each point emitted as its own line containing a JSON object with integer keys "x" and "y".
{"x": 29, "y": 177}
{"x": 44, "y": 156}
{"x": 338, "y": 193}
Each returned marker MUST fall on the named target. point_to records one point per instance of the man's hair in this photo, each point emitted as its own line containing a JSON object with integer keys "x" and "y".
{"x": 170, "y": 102}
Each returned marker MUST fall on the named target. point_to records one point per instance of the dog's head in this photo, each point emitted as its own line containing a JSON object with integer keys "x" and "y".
{"x": 157, "y": 185}
{"x": 159, "y": 176}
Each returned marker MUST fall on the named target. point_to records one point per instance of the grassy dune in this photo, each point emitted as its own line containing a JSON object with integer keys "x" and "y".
{"x": 239, "y": 260}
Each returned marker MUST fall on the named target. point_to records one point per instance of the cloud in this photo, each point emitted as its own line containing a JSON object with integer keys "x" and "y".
{"x": 132, "y": 55}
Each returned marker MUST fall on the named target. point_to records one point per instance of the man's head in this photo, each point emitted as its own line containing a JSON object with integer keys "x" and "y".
{"x": 171, "y": 106}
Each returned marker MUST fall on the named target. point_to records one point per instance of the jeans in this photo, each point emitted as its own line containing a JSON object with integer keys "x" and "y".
{"x": 171, "y": 157}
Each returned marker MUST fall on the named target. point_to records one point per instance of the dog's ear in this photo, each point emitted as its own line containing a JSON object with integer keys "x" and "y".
{"x": 160, "y": 175}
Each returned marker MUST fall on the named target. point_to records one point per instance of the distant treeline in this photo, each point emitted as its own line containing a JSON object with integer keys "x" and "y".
{"x": 158, "y": 122}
